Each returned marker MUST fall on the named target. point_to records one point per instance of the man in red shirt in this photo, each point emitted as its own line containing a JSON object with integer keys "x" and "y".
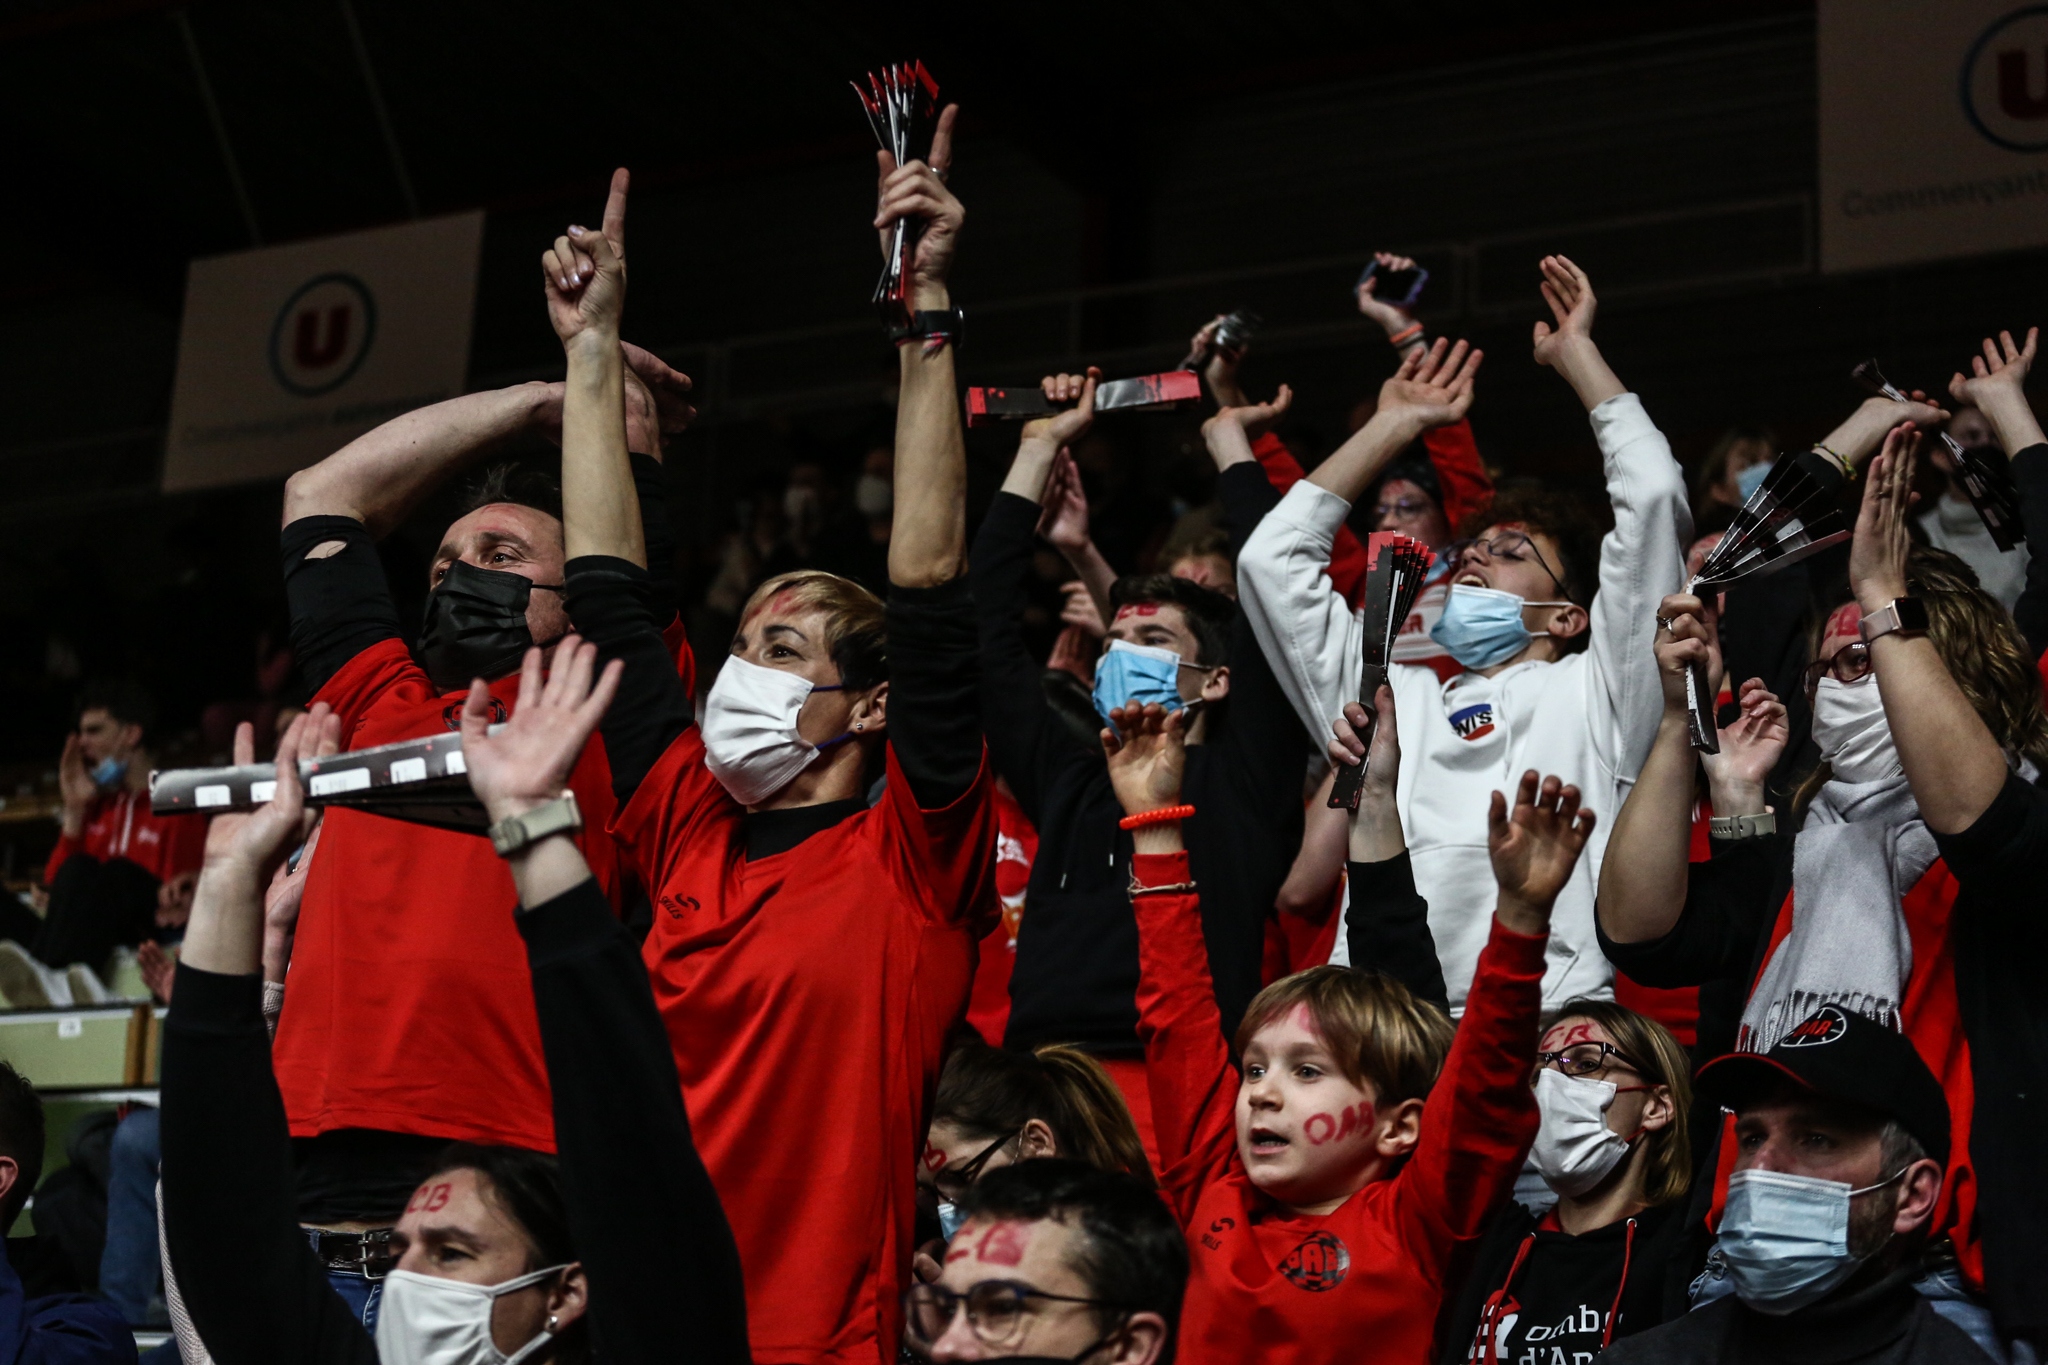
{"x": 408, "y": 1020}
{"x": 116, "y": 864}
{"x": 810, "y": 952}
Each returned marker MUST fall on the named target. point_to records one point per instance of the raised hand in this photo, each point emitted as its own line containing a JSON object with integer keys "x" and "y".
{"x": 1070, "y": 425}
{"x": 1389, "y": 316}
{"x": 158, "y": 969}
{"x": 1534, "y": 848}
{"x": 1687, "y": 634}
{"x": 1998, "y": 388}
{"x": 660, "y": 387}
{"x": 527, "y": 763}
{"x": 281, "y": 901}
{"x": 584, "y": 272}
{"x": 1234, "y": 426}
{"x": 917, "y": 189}
{"x": 1079, "y": 613}
{"x": 75, "y": 786}
{"x": 257, "y": 840}
{"x": 1570, "y": 296}
{"x": 1750, "y": 748}
{"x": 174, "y": 899}
{"x": 1877, "y": 555}
{"x": 1221, "y": 371}
{"x": 1433, "y": 387}
{"x": 1064, "y": 522}
{"x": 1376, "y": 833}
{"x": 1073, "y": 649}
{"x": 1147, "y": 751}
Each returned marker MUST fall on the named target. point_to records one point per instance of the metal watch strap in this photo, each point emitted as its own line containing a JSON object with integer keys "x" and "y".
{"x": 1743, "y": 826}
{"x": 515, "y": 832}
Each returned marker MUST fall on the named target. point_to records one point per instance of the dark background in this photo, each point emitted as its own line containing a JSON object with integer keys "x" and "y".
{"x": 1128, "y": 170}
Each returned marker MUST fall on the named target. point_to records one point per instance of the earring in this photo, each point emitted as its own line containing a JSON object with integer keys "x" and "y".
{"x": 859, "y": 725}
{"x": 554, "y": 1324}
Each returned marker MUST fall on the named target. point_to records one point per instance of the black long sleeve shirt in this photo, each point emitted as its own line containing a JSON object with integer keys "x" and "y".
{"x": 2030, "y": 472}
{"x": 1076, "y": 973}
{"x": 664, "y": 1275}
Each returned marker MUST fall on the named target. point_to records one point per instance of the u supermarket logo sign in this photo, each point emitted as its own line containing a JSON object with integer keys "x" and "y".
{"x": 2005, "y": 81}
{"x": 322, "y": 334}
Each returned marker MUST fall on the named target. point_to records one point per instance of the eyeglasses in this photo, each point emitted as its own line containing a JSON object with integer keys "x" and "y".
{"x": 997, "y": 1310}
{"x": 1511, "y": 546}
{"x": 1583, "y": 1059}
{"x": 953, "y": 1183}
{"x": 1407, "y": 509}
{"x": 1849, "y": 664}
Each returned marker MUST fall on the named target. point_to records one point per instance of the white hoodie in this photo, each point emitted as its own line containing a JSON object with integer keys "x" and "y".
{"x": 1590, "y": 718}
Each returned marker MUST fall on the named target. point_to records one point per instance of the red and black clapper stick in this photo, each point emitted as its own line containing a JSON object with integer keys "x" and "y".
{"x": 901, "y": 101}
{"x": 423, "y": 781}
{"x": 1146, "y": 393}
{"x": 1395, "y": 567}
{"x": 1794, "y": 513}
{"x": 1987, "y": 482}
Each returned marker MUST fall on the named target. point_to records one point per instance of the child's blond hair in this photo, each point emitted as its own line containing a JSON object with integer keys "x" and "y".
{"x": 1376, "y": 1028}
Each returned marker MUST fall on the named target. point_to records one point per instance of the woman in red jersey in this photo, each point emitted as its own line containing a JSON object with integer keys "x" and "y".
{"x": 1327, "y": 1185}
{"x": 811, "y": 950}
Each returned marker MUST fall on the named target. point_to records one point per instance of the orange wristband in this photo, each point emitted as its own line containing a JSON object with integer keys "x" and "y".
{"x": 1164, "y": 815}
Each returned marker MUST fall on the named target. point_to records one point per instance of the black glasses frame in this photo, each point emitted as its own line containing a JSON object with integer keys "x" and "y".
{"x": 950, "y": 1302}
{"x": 970, "y": 1171}
{"x": 1550, "y": 1059}
{"x": 1454, "y": 554}
{"x": 1849, "y": 664}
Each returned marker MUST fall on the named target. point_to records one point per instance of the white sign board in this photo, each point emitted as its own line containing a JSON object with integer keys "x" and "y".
{"x": 287, "y": 353}
{"x": 1933, "y": 129}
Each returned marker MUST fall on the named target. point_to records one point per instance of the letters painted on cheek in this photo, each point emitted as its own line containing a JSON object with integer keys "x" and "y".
{"x": 1356, "y": 1119}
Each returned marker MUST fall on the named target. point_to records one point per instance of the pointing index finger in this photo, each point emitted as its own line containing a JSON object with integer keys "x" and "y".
{"x": 615, "y": 210}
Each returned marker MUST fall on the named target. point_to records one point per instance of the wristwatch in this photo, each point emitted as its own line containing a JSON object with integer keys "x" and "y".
{"x": 926, "y": 323}
{"x": 1906, "y": 615}
{"x": 515, "y": 832}
{"x": 1743, "y": 826}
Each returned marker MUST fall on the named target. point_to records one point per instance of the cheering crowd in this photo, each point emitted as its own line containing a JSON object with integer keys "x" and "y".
{"x": 916, "y": 988}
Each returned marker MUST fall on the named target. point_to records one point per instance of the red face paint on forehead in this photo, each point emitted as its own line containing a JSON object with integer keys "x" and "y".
{"x": 1304, "y": 1019}
{"x": 1567, "y": 1033}
{"x": 934, "y": 1159}
{"x": 1847, "y": 620}
{"x": 1004, "y": 1244}
{"x": 1138, "y": 609}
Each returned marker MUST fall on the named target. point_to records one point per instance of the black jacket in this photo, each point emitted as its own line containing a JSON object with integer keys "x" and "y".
{"x": 1076, "y": 974}
{"x": 1887, "y": 1323}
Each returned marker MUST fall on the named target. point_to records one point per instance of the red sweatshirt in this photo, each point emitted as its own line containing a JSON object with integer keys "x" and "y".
{"x": 1269, "y": 1285}
{"x": 120, "y": 825}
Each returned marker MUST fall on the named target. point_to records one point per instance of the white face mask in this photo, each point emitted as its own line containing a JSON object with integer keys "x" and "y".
{"x": 750, "y": 739}
{"x": 1853, "y": 735}
{"x": 426, "y": 1320}
{"x": 1785, "y": 1238}
{"x": 1575, "y": 1149}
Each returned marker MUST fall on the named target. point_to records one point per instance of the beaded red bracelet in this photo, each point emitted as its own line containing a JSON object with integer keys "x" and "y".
{"x": 1163, "y": 815}
{"x": 1405, "y": 335}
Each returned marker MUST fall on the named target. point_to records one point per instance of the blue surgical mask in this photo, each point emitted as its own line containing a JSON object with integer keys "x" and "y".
{"x": 1481, "y": 627}
{"x": 1785, "y": 1238}
{"x": 1136, "y": 675}
{"x": 950, "y": 1219}
{"x": 1751, "y": 479}
{"x": 109, "y": 771}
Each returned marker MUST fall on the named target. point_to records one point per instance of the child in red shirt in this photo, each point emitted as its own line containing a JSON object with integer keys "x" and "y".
{"x": 1326, "y": 1192}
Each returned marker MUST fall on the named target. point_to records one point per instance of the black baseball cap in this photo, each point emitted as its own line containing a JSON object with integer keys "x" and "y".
{"x": 1840, "y": 1055}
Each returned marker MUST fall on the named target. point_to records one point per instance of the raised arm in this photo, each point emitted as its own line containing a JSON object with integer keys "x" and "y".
{"x": 1997, "y": 388}
{"x": 1952, "y": 760}
{"x": 1044, "y": 472}
{"x": 1386, "y": 927}
{"x": 1187, "y": 1059}
{"x": 584, "y": 276}
{"x": 643, "y": 1216}
{"x": 1643, "y": 877}
{"x": 928, "y": 539}
{"x": 255, "y": 1290}
{"x": 1432, "y": 388}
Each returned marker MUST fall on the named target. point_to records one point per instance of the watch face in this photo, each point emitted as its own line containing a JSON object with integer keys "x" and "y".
{"x": 1912, "y": 613}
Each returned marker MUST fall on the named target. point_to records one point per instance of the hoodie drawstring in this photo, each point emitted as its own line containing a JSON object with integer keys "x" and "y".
{"x": 1627, "y": 1250}
{"x": 1492, "y": 1307}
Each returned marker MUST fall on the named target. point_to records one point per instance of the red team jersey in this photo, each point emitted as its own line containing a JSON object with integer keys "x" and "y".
{"x": 120, "y": 825}
{"x": 409, "y": 1006}
{"x": 1364, "y": 1282}
{"x": 809, "y": 995}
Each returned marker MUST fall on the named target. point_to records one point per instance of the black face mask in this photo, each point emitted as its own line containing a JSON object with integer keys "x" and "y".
{"x": 475, "y": 625}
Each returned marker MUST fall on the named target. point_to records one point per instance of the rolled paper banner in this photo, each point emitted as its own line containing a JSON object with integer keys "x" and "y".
{"x": 1988, "y": 483}
{"x": 424, "y": 781}
{"x": 1395, "y": 568}
{"x": 1146, "y": 393}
